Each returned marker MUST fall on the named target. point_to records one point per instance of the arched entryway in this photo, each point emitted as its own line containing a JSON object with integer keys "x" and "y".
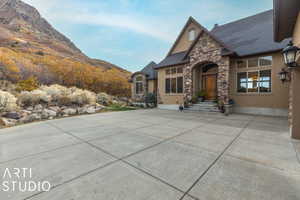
{"x": 205, "y": 76}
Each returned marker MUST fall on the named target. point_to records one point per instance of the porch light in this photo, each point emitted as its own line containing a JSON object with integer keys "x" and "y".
{"x": 290, "y": 54}
{"x": 283, "y": 75}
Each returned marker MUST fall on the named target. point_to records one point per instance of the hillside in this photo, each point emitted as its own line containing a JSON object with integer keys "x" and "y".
{"x": 30, "y": 46}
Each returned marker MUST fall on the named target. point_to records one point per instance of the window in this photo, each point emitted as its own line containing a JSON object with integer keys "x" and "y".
{"x": 254, "y": 81}
{"x": 174, "y": 81}
{"x": 192, "y": 35}
{"x": 265, "y": 61}
{"x": 139, "y": 85}
{"x": 168, "y": 86}
{"x": 241, "y": 64}
{"x": 253, "y": 62}
{"x": 242, "y": 82}
{"x": 180, "y": 84}
{"x": 265, "y": 81}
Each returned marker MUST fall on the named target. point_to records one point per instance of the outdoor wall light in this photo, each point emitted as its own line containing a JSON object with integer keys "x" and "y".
{"x": 283, "y": 75}
{"x": 290, "y": 55}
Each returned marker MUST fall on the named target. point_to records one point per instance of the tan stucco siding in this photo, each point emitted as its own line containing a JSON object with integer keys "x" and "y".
{"x": 277, "y": 99}
{"x": 163, "y": 97}
{"x": 296, "y": 37}
{"x": 183, "y": 42}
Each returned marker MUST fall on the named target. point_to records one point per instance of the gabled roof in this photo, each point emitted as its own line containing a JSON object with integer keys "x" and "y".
{"x": 251, "y": 35}
{"x": 174, "y": 59}
{"x": 248, "y": 36}
{"x": 149, "y": 71}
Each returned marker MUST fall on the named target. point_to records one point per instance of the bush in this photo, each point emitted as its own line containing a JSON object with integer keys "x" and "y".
{"x": 57, "y": 92}
{"x": 104, "y": 99}
{"x": 82, "y": 97}
{"x": 29, "y": 84}
{"x": 33, "y": 98}
{"x": 151, "y": 99}
{"x": 8, "y": 102}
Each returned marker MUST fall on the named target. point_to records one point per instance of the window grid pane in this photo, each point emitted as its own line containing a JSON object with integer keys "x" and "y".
{"x": 173, "y": 85}
{"x": 179, "y": 84}
{"x": 168, "y": 86}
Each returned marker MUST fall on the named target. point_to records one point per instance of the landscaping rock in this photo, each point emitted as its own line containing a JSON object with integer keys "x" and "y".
{"x": 31, "y": 118}
{"x": 91, "y": 110}
{"x": 13, "y": 115}
{"x": 54, "y": 108}
{"x": 38, "y": 107}
{"x": 46, "y": 114}
{"x": 69, "y": 111}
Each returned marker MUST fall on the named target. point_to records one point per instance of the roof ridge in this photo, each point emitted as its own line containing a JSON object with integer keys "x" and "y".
{"x": 235, "y": 21}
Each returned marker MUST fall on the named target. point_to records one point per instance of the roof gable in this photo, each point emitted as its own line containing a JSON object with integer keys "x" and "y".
{"x": 181, "y": 43}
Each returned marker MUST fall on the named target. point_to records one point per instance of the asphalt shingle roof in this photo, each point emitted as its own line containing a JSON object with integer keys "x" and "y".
{"x": 251, "y": 35}
{"x": 173, "y": 59}
{"x": 248, "y": 36}
{"x": 149, "y": 70}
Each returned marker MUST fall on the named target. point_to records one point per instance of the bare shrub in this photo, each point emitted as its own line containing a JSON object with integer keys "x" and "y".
{"x": 8, "y": 102}
{"x": 33, "y": 98}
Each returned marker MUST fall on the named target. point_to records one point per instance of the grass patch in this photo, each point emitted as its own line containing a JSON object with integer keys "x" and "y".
{"x": 117, "y": 107}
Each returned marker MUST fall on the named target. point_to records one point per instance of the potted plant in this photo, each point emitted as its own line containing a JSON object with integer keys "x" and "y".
{"x": 201, "y": 95}
{"x": 194, "y": 99}
{"x": 221, "y": 106}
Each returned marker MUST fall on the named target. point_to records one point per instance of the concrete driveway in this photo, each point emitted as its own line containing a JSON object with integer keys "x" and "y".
{"x": 154, "y": 155}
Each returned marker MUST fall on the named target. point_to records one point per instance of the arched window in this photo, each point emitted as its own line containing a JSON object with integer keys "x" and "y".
{"x": 192, "y": 35}
{"x": 139, "y": 85}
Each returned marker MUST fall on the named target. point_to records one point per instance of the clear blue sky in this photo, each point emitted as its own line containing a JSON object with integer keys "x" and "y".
{"x": 131, "y": 33}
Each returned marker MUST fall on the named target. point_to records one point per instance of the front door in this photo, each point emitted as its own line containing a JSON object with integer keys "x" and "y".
{"x": 210, "y": 86}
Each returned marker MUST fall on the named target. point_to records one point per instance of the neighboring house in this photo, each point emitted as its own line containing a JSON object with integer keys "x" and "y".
{"x": 286, "y": 25}
{"x": 144, "y": 82}
{"x": 237, "y": 61}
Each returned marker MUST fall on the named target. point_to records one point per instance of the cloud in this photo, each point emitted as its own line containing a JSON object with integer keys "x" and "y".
{"x": 81, "y": 13}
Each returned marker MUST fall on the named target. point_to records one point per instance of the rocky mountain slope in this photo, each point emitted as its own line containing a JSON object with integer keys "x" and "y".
{"x": 30, "y": 45}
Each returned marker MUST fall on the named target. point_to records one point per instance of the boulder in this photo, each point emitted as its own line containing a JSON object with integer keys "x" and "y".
{"x": 69, "y": 111}
{"x": 31, "y": 118}
{"x": 13, "y": 115}
{"x": 54, "y": 108}
{"x": 38, "y": 107}
{"x": 46, "y": 114}
{"x": 91, "y": 110}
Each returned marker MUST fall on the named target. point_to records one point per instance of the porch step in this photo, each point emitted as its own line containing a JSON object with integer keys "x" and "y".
{"x": 204, "y": 106}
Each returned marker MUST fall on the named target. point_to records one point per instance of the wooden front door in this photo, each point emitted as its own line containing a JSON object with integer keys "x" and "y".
{"x": 210, "y": 86}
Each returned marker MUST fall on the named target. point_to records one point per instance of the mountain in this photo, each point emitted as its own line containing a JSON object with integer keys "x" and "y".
{"x": 29, "y": 45}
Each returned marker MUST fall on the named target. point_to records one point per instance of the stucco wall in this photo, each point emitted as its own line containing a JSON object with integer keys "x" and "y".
{"x": 151, "y": 86}
{"x": 295, "y": 88}
{"x": 163, "y": 97}
{"x": 277, "y": 99}
{"x": 184, "y": 43}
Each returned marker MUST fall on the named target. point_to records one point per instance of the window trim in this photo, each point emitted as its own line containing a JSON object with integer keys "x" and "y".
{"x": 139, "y": 82}
{"x": 173, "y": 76}
{"x": 258, "y": 91}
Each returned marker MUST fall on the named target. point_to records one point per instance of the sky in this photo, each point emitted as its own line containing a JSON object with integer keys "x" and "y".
{"x": 131, "y": 33}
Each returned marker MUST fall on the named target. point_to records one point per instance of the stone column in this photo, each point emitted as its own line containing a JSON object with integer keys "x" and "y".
{"x": 188, "y": 83}
{"x": 223, "y": 82}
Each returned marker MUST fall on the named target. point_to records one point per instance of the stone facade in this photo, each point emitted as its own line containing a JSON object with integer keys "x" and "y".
{"x": 139, "y": 97}
{"x": 207, "y": 50}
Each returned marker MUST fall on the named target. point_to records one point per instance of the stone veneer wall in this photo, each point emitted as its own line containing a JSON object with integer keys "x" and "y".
{"x": 207, "y": 50}
{"x": 139, "y": 97}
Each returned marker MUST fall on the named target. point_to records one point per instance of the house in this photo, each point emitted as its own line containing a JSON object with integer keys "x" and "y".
{"x": 287, "y": 25}
{"x": 144, "y": 82}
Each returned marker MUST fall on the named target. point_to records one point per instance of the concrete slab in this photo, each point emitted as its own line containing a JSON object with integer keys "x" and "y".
{"x": 234, "y": 179}
{"x": 56, "y": 167}
{"x": 179, "y": 165}
{"x": 98, "y": 132}
{"x": 32, "y": 140}
{"x": 122, "y": 145}
{"x": 207, "y": 141}
{"x": 161, "y": 131}
{"x": 220, "y": 129}
{"x": 117, "y": 181}
{"x": 278, "y": 156}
